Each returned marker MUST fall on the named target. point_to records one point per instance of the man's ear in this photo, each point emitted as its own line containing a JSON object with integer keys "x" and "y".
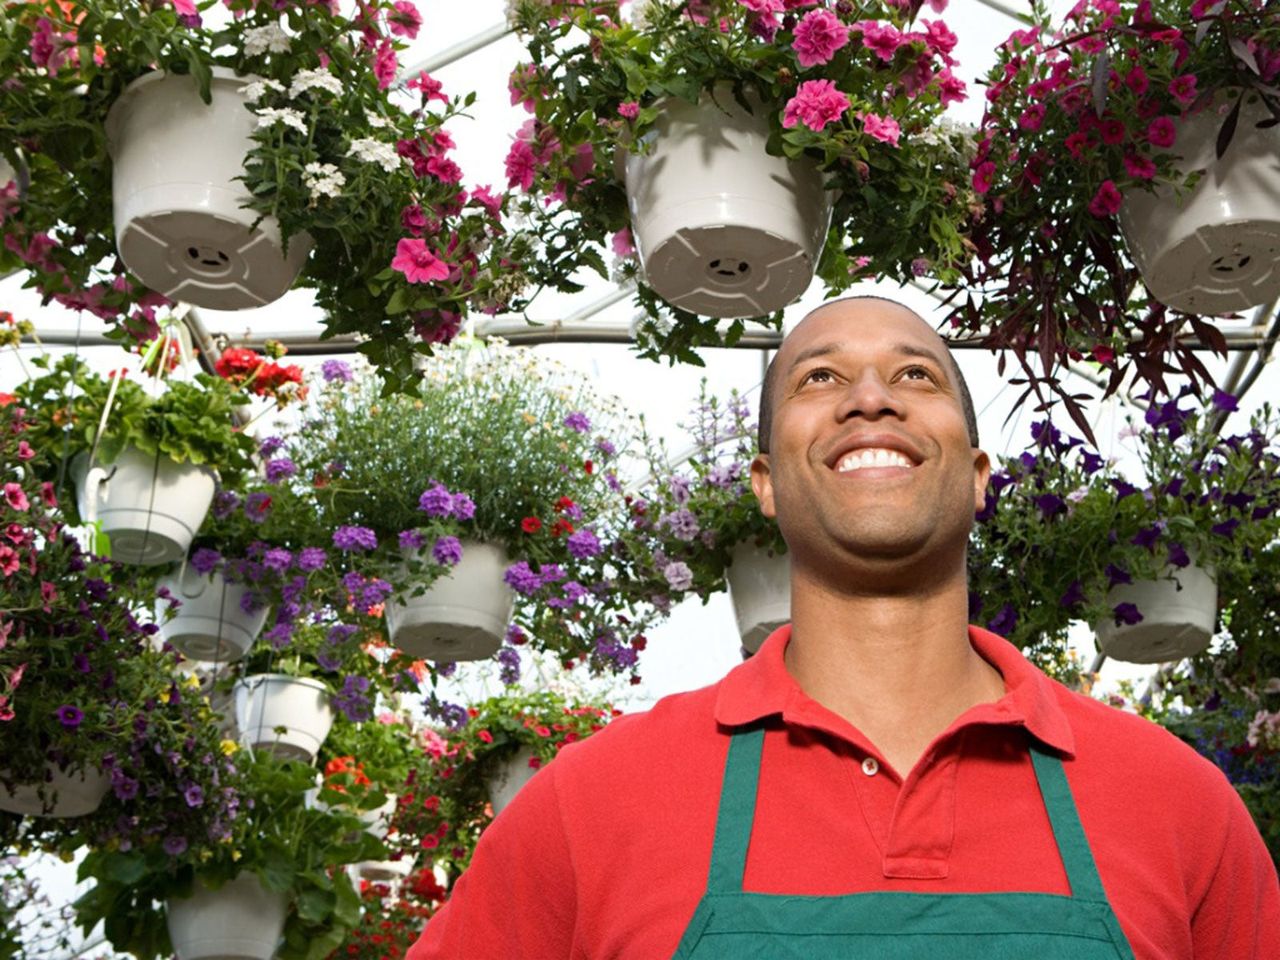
{"x": 762, "y": 484}
{"x": 981, "y": 474}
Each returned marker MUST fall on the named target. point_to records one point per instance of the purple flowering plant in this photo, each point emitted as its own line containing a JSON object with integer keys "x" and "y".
{"x": 1079, "y": 114}
{"x": 858, "y": 88}
{"x": 84, "y": 689}
{"x": 688, "y": 517}
{"x": 1061, "y": 526}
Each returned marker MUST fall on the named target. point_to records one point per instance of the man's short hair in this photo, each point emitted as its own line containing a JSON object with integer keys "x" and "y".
{"x": 765, "y": 421}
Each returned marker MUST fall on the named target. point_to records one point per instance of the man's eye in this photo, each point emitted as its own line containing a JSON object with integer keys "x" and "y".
{"x": 918, "y": 373}
{"x": 820, "y": 374}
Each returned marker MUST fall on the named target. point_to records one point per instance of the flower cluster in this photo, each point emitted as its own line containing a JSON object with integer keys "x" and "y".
{"x": 261, "y": 376}
{"x": 857, "y": 88}
{"x": 1077, "y": 117}
{"x": 1061, "y": 526}
{"x": 392, "y": 917}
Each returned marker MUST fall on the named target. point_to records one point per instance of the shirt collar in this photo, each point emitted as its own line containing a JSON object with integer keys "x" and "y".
{"x": 762, "y": 687}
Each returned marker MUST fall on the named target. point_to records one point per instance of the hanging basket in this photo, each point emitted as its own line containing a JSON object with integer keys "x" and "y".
{"x": 461, "y": 616}
{"x": 509, "y": 777}
{"x": 1218, "y": 249}
{"x": 179, "y": 220}
{"x": 760, "y": 586}
{"x": 1176, "y": 623}
{"x": 722, "y": 228}
{"x": 287, "y": 716}
{"x": 149, "y": 505}
{"x": 62, "y": 794}
{"x": 382, "y": 871}
{"x": 211, "y": 623}
{"x": 241, "y": 920}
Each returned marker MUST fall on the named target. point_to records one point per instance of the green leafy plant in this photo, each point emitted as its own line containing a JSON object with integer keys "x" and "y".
{"x": 857, "y": 88}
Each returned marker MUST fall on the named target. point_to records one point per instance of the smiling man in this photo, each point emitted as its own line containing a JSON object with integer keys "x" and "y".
{"x": 881, "y": 779}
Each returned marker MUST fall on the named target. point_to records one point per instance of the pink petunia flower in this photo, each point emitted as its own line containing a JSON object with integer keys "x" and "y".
{"x": 521, "y": 165}
{"x": 884, "y": 129}
{"x": 429, "y": 86}
{"x": 818, "y": 36}
{"x": 9, "y": 560}
{"x": 1183, "y": 88}
{"x": 951, "y": 89}
{"x": 1106, "y": 202}
{"x": 385, "y": 64}
{"x": 1139, "y": 167}
{"x": 1136, "y": 80}
{"x": 15, "y": 497}
{"x": 983, "y": 176}
{"x": 444, "y": 170}
{"x": 404, "y": 19}
{"x": 816, "y": 103}
{"x": 939, "y": 39}
{"x": 1033, "y": 117}
{"x": 413, "y": 219}
{"x": 882, "y": 39}
{"x": 185, "y": 8}
{"x": 518, "y": 85}
{"x": 763, "y": 7}
{"x": 485, "y": 197}
{"x": 1077, "y": 143}
{"x": 1161, "y": 132}
{"x": 25, "y": 450}
{"x": 623, "y": 244}
{"x": 417, "y": 263}
{"x": 630, "y": 109}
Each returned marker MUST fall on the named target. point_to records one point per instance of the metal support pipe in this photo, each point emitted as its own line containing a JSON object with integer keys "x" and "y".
{"x": 455, "y": 53}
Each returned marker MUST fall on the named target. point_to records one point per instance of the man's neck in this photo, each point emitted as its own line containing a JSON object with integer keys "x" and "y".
{"x": 898, "y": 668}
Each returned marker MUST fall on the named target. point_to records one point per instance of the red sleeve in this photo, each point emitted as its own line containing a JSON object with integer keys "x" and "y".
{"x": 1239, "y": 914}
{"x": 517, "y": 900}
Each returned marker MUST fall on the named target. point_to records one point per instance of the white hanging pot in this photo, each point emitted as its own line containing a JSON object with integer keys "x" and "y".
{"x": 286, "y": 716}
{"x": 760, "y": 587}
{"x": 461, "y": 616}
{"x": 382, "y": 871}
{"x": 64, "y": 794}
{"x": 7, "y": 174}
{"x": 149, "y": 506}
{"x": 722, "y": 228}
{"x": 241, "y": 920}
{"x": 211, "y": 623}
{"x": 1218, "y": 249}
{"x": 1176, "y": 623}
{"x": 508, "y": 778}
{"x": 179, "y": 220}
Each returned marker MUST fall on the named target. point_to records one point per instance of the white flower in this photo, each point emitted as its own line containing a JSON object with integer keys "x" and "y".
{"x": 323, "y": 179}
{"x": 269, "y": 116}
{"x": 256, "y": 90}
{"x": 377, "y": 122}
{"x": 375, "y": 151}
{"x": 268, "y": 39}
{"x": 310, "y": 79}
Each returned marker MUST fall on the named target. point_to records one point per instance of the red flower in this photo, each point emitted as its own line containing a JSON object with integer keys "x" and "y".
{"x": 1106, "y": 202}
{"x": 588, "y": 466}
{"x": 561, "y": 526}
{"x": 530, "y": 524}
{"x": 485, "y": 736}
{"x": 564, "y": 503}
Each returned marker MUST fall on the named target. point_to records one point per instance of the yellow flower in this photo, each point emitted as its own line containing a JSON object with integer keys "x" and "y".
{"x": 235, "y": 855}
{"x": 229, "y": 747}
{"x": 164, "y": 696}
{"x": 66, "y": 856}
{"x": 193, "y": 682}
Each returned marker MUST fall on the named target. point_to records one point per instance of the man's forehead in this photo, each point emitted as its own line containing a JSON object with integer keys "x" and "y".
{"x": 842, "y": 325}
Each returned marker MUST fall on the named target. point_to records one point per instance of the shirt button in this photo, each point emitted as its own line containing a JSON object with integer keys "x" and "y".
{"x": 870, "y": 766}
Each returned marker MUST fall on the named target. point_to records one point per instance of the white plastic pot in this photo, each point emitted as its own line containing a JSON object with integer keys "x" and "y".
{"x": 1218, "y": 250}
{"x": 7, "y": 173}
{"x": 210, "y": 624}
{"x": 461, "y": 616}
{"x": 760, "y": 587}
{"x": 241, "y": 920}
{"x": 150, "y": 506}
{"x": 180, "y": 226}
{"x": 722, "y": 228}
{"x": 1176, "y": 623}
{"x": 383, "y": 871}
{"x": 287, "y": 716}
{"x": 509, "y": 777}
{"x": 65, "y": 794}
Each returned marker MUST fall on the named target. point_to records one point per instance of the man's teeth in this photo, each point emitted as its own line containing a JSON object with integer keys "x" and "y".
{"x": 873, "y": 457}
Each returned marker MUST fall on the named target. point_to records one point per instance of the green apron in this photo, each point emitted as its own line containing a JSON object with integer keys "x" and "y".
{"x": 733, "y": 924}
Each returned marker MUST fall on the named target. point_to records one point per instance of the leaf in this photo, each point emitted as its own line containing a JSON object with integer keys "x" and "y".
{"x": 398, "y": 302}
{"x": 1101, "y": 76}
{"x": 315, "y": 905}
{"x": 1244, "y": 54}
{"x": 1228, "y": 129}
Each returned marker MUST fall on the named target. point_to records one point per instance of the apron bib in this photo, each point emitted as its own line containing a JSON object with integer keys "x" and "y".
{"x": 735, "y": 925}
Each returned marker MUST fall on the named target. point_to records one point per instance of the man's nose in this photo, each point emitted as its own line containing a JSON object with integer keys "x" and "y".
{"x": 870, "y": 397}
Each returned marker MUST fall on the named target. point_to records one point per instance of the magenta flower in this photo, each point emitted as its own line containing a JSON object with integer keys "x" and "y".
{"x": 763, "y": 7}
{"x": 1161, "y": 132}
{"x": 951, "y": 89}
{"x": 185, "y": 8}
{"x": 983, "y": 176}
{"x": 1033, "y": 117}
{"x": 1106, "y": 202}
{"x": 518, "y": 85}
{"x": 15, "y": 497}
{"x": 404, "y": 19}
{"x": 1183, "y": 88}
{"x": 816, "y": 103}
{"x": 487, "y": 199}
{"x": 818, "y": 36}
{"x": 881, "y": 39}
{"x": 884, "y": 129}
{"x": 430, "y": 87}
{"x": 630, "y": 109}
{"x": 1139, "y": 167}
{"x": 939, "y": 39}
{"x": 69, "y": 716}
{"x": 622, "y": 243}
{"x": 25, "y": 450}
{"x": 417, "y": 263}
{"x": 9, "y": 560}
{"x": 521, "y": 165}
{"x": 444, "y": 170}
{"x": 384, "y": 64}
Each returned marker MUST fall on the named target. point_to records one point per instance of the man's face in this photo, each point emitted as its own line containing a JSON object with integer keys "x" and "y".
{"x": 869, "y": 450}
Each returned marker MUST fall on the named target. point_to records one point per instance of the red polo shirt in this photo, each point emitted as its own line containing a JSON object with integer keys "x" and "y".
{"x": 604, "y": 854}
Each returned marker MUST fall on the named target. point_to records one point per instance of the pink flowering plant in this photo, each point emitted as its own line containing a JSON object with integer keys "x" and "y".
{"x": 1061, "y": 526}
{"x": 1079, "y": 114}
{"x": 857, "y": 87}
{"x": 687, "y": 518}
{"x": 341, "y": 151}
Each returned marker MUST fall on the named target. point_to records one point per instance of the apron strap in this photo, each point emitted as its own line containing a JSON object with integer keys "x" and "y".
{"x": 737, "y": 812}
{"x": 1073, "y": 845}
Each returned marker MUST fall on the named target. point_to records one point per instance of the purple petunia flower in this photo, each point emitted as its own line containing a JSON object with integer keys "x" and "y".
{"x": 355, "y": 538}
{"x": 125, "y": 788}
{"x": 1147, "y": 537}
{"x": 1050, "y": 505}
{"x": 1117, "y": 575}
{"x": 1126, "y": 613}
{"x": 175, "y": 846}
{"x": 278, "y": 559}
{"x": 1178, "y": 556}
{"x": 1090, "y": 462}
{"x": 578, "y": 422}
{"x": 551, "y": 573}
{"x": 447, "y": 550}
{"x": 1005, "y": 621}
{"x": 679, "y": 487}
{"x": 311, "y": 559}
{"x": 678, "y": 575}
{"x": 336, "y": 371}
{"x": 521, "y": 579}
{"x": 193, "y": 795}
{"x": 204, "y": 561}
{"x": 281, "y": 469}
{"x": 462, "y": 507}
{"x": 682, "y": 524}
{"x": 1225, "y": 402}
{"x": 583, "y": 544}
{"x": 1227, "y": 528}
{"x": 69, "y": 716}
{"x": 81, "y": 663}
{"x": 436, "y": 501}
{"x": 1073, "y": 596}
